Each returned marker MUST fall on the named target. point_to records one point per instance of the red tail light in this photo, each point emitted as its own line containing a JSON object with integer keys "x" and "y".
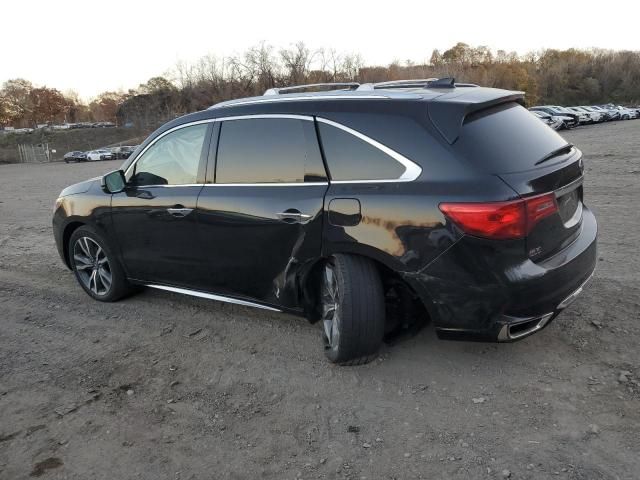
{"x": 501, "y": 220}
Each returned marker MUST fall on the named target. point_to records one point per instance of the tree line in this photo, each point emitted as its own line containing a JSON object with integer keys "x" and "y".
{"x": 564, "y": 77}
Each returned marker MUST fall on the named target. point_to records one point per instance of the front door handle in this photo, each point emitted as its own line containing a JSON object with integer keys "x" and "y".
{"x": 294, "y": 216}
{"x": 179, "y": 212}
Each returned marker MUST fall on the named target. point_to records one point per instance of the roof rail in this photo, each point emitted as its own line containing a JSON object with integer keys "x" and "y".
{"x": 391, "y": 83}
{"x": 445, "y": 82}
{"x": 341, "y": 85}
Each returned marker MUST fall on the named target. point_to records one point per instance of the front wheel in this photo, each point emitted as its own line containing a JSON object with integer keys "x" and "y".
{"x": 353, "y": 310}
{"x": 97, "y": 270}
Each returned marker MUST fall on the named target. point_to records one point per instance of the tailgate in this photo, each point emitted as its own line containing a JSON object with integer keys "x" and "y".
{"x": 508, "y": 141}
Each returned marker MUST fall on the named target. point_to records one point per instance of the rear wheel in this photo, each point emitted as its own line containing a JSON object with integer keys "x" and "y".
{"x": 353, "y": 310}
{"x": 97, "y": 270}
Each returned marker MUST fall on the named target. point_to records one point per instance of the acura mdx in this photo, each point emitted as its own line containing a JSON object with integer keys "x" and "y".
{"x": 365, "y": 208}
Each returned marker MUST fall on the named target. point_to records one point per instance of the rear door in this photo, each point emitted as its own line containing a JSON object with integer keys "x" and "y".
{"x": 533, "y": 160}
{"x": 260, "y": 215}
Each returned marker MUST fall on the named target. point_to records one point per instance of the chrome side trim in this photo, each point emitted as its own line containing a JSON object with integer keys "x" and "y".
{"x": 170, "y": 186}
{"x": 211, "y": 296}
{"x": 288, "y": 184}
{"x": 411, "y": 172}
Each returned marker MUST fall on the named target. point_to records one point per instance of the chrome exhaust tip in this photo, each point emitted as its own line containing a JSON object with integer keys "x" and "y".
{"x": 523, "y": 327}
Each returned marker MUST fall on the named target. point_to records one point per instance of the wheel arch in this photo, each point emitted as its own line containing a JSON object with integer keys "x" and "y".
{"x": 388, "y": 274}
{"x": 66, "y": 235}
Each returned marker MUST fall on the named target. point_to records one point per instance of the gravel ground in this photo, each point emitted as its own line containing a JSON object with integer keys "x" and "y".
{"x": 167, "y": 386}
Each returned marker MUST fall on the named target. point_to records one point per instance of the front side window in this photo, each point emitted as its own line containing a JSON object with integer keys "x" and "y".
{"x": 351, "y": 158}
{"x": 172, "y": 160}
{"x": 268, "y": 150}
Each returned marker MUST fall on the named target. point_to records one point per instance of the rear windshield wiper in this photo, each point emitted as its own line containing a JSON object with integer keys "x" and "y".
{"x": 555, "y": 153}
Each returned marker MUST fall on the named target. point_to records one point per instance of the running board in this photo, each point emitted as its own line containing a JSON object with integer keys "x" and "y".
{"x": 211, "y": 296}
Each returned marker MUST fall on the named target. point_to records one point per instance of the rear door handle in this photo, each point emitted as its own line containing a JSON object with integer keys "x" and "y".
{"x": 179, "y": 211}
{"x": 294, "y": 216}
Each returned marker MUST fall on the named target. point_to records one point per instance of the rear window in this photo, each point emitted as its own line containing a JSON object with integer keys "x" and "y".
{"x": 506, "y": 139}
{"x": 350, "y": 158}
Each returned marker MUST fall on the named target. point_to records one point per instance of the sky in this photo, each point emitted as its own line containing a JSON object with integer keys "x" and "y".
{"x": 90, "y": 46}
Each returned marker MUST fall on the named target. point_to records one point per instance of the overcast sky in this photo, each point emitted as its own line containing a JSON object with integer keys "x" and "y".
{"x": 93, "y": 46}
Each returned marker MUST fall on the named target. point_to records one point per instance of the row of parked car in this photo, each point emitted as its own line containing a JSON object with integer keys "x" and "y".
{"x": 114, "y": 153}
{"x": 63, "y": 126}
{"x": 560, "y": 118}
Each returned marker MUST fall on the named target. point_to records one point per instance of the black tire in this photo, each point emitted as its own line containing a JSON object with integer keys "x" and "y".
{"x": 85, "y": 266}
{"x": 358, "y": 310}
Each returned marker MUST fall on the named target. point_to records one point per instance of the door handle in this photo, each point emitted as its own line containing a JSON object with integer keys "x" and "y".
{"x": 294, "y": 216}
{"x": 179, "y": 211}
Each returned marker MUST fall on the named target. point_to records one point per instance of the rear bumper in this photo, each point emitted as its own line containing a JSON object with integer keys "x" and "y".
{"x": 478, "y": 293}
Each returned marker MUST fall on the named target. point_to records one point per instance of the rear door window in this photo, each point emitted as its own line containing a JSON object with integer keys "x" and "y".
{"x": 506, "y": 139}
{"x": 350, "y": 158}
{"x": 268, "y": 150}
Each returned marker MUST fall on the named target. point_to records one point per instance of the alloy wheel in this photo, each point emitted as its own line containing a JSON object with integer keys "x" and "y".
{"x": 330, "y": 307}
{"x": 92, "y": 266}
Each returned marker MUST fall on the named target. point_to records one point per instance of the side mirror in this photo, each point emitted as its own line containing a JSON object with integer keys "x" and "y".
{"x": 114, "y": 182}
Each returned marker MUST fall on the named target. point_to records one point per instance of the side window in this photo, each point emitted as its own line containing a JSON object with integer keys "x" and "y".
{"x": 268, "y": 150}
{"x": 172, "y": 160}
{"x": 351, "y": 158}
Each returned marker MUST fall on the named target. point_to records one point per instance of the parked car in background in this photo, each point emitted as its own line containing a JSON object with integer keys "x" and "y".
{"x": 608, "y": 113}
{"x": 601, "y": 114}
{"x": 583, "y": 115}
{"x": 100, "y": 154}
{"x": 626, "y": 113}
{"x": 597, "y": 115}
{"x": 623, "y": 113}
{"x": 554, "y": 122}
{"x": 75, "y": 156}
{"x": 594, "y": 117}
{"x": 124, "y": 151}
{"x": 325, "y": 204}
{"x": 560, "y": 112}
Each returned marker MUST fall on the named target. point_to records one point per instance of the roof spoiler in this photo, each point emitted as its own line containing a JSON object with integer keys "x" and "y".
{"x": 447, "y": 112}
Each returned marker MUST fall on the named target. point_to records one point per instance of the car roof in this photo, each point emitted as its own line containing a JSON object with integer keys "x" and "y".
{"x": 447, "y": 103}
{"x": 465, "y": 92}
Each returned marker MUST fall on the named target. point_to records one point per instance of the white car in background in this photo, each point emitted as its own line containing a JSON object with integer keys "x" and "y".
{"x": 602, "y": 115}
{"x": 595, "y": 117}
{"x": 100, "y": 154}
{"x": 583, "y": 116}
{"x": 611, "y": 113}
{"x": 626, "y": 113}
{"x": 554, "y": 122}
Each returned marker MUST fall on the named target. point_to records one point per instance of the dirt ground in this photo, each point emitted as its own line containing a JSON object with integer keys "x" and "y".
{"x": 162, "y": 386}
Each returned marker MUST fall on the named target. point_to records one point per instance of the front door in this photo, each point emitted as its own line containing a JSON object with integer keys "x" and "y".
{"x": 155, "y": 217}
{"x": 260, "y": 220}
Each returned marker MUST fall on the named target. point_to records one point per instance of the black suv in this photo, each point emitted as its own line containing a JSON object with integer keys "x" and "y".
{"x": 364, "y": 208}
